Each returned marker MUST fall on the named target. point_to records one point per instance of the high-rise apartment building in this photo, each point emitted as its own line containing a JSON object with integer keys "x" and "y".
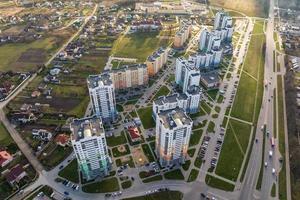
{"x": 157, "y": 60}
{"x": 173, "y": 131}
{"x": 186, "y": 74}
{"x": 89, "y": 144}
{"x": 102, "y": 95}
{"x": 183, "y": 34}
{"x": 224, "y": 24}
{"x": 129, "y": 76}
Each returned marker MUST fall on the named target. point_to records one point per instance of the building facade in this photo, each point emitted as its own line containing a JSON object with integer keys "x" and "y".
{"x": 157, "y": 60}
{"x": 173, "y": 131}
{"x": 183, "y": 34}
{"x": 89, "y": 144}
{"x": 129, "y": 76}
{"x": 102, "y": 95}
{"x": 186, "y": 74}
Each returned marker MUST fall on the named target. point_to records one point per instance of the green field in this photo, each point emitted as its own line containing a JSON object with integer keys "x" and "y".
{"x": 258, "y": 27}
{"x": 138, "y": 45}
{"x": 163, "y": 91}
{"x": 107, "y": 185}
{"x": 145, "y": 115}
{"x": 281, "y": 137}
{"x": 193, "y": 175}
{"x": 174, "y": 175}
{"x": 5, "y": 138}
{"x": 153, "y": 178}
{"x": 218, "y": 183}
{"x": 10, "y": 53}
{"x": 195, "y": 137}
{"x": 147, "y": 152}
{"x": 70, "y": 172}
{"x": 116, "y": 140}
{"x": 250, "y": 90}
{"x": 235, "y": 143}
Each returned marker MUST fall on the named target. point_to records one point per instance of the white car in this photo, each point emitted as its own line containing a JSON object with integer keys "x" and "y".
{"x": 270, "y": 154}
{"x": 266, "y": 164}
{"x": 273, "y": 171}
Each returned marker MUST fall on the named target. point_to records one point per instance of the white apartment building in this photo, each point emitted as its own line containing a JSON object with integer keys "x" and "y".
{"x": 102, "y": 95}
{"x": 188, "y": 101}
{"x": 186, "y": 74}
{"x": 183, "y": 34}
{"x": 224, "y": 24}
{"x": 173, "y": 131}
{"x": 89, "y": 144}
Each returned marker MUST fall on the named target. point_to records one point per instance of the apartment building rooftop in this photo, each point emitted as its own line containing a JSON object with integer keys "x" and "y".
{"x": 86, "y": 127}
{"x": 129, "y": 67}
{"x": 156, "y": 54}
{"x": 192, "y": 90}
{"x": 174, "y": 118}
{"x": 98, "y": 80}
{"x": 170, "y": 99}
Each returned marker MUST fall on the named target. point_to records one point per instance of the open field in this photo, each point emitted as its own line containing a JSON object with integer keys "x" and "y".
{"x": 5, "y": 138}
{"x": 23, "y": 57}
{"x": 281, "y": 137}
{"x": 258, "y": 8}
{"x": 163, "y": 91}
{"x": 218, "y": 183}
{"x": 235, "y": 143}
{"x": 107, "y": 185}
{"x": 246, "y": 104}
{"x": 138, "y": 45}
{"x": 70, "y": 172}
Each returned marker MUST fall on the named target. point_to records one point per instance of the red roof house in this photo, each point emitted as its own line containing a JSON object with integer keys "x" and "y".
{"x": 5, "y": 158}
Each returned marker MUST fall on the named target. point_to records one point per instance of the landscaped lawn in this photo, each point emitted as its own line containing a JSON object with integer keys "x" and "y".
{"x": 218, "y": 183}
{"x": 193, "y": 175}
{"x": 198, "y": 162}
{"x": 116, "y": 140}
{"x": 163, "y": 91}
{"x": 107, "y": 185}
{"x": 152, "y": 179}
{"x": 211, "y": 127}
{"x": 5, "y": 138}
{"x": 191, "y": 152}
{"x": 213, "y": 93}
{"x": 186, "y": 165}
{"x": 258, "y": 27}
{"x": 137, "y": 45}
{"x": 56, "y": 156}
{"x": 147, "y": 152}
{"x": 174, "y": 175}
{"x": 126, "y": 184}
{"x": 167, "y": 195}
{"x": 205, "y": 107}
{"x": 129, "y": 162}
{"x": 145, "y": 115}
{"x": 70, "y": 172}
{"x": 195, "y": 137}
{"x": 235, "y": 143}
{"x": 117, "y": 153}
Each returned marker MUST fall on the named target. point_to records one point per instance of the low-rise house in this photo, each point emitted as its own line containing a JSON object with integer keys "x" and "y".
{"x": 24, "y": 117}
{"x": 15, "y": 174}
{"x": 134, "y": 133}
{"x": 41, "y": 134}
{"x": 5, "y": 158}
{"x": 63, "y": 140}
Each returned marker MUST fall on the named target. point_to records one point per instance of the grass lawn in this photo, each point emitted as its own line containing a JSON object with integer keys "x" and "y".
{"x": 205, "y": 107}
{"x": 273, "y": 190}
{"x": 153, "y": 178}
{"x": 193, "y": 175}
{"x": 163, "y": 91}
{"x": 56, "y": 156}
{"x": 70, "y": 172}
{"x": 126, "y": 184}
{"x": 166, "y": 195}
{"x": 235, "y": 143}
{"x": 258, "y": 27}
{"x": 147, "y": 151}
{"x": 117, "y": 153}
{"x": 220, "y": 99}
{"x": 198, "y": 114}
{"x": 198, "y": 162}
{"x": 5, "y": 138}
{"x": 244, "y": 104}
{"x": 186, "y": 165}
{"x": 281, "y": 137}
{"x": 116, "y": 140}
{"x": 174, "y": 175}
{"x": 191, "y": 152}
{"x": 213, "y": 93}
{"x": 218, "y": 183}
{"x": 211, "y": 127}
{"x": 138, "y": 45}
{"x": 107, "y": 185}
{"x": 5, "y": 189}
{"x": 145, "y": 115}
{"x": 195, "y": 137}
{"x": 261, "y": 172}
{"x": 200, "y": 125}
